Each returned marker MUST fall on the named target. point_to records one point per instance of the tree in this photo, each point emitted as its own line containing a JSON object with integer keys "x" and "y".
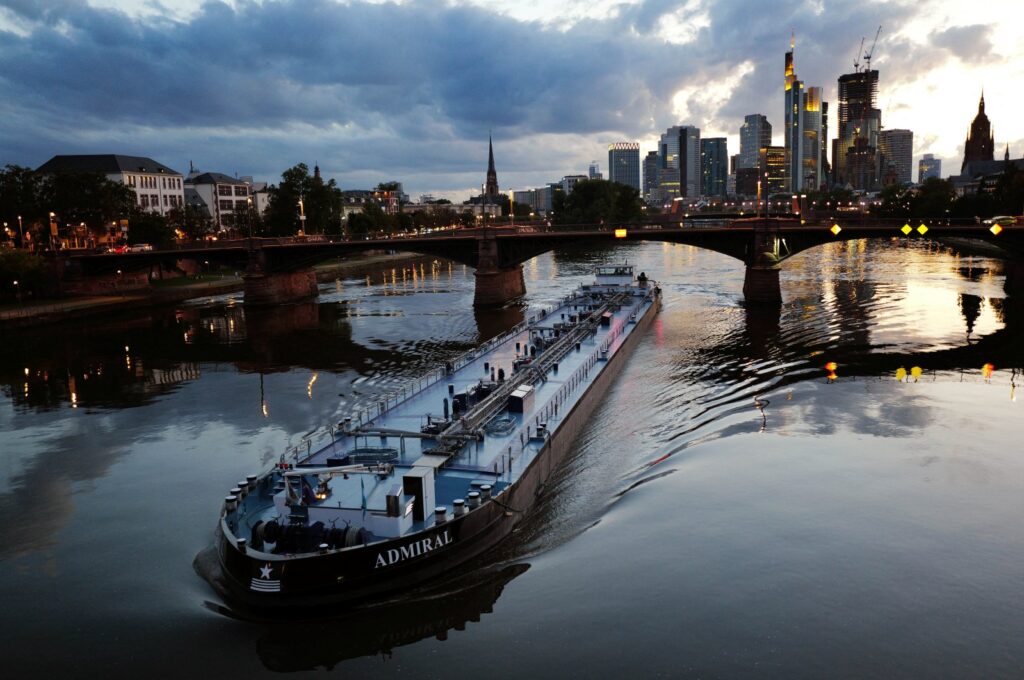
{"x": 25, "y": 268}
{"x": 321, "y": 204}
{"x": 597, "y": 200}
{"x": 192, "y": 220}
{"x": 85, "y": 197}
{"x": 934, "y": 198}
{"x": 19, "y": 196}
{"x": 149, "y": 227}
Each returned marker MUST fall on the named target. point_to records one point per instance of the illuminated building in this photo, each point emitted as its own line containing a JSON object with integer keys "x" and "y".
{"x": 897, "y": 147}
{"x": 803, "y": 131}
{"x": 624, "y": 163}
{"x": 929, "y": 166}
{"x": 680, "y": 168}
{"x": 714, "y": 166}
{"x": 772, "y": 166}
{"x": 755, "y": 134}
{"x": 859, "y": 125}
{"x": 980, "y": 143}
{"x": 157, "y": 188}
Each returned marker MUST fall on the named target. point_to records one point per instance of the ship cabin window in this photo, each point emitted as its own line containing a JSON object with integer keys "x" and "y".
{"x": 619, "y": 270}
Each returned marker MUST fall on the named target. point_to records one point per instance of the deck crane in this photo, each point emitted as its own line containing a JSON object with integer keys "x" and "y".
{"x": 867, "y": 55}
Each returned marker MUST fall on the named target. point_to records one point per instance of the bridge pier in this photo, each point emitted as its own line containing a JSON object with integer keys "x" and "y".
{"x": 761, "y": 285}
{"x": 281, "y": 287}
{"x": 1014, "y": 284}
{"x": 497, "y": 285}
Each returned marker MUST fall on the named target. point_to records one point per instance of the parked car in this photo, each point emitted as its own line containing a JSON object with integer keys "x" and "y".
{"x": 1002, "y": 220}
{"x": 140, "y": 248}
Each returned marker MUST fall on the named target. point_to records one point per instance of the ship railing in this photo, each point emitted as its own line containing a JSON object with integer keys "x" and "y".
{"x": 393, "y": 398}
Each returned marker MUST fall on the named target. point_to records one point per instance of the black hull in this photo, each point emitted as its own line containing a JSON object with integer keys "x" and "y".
{"x": 354, "y": 574}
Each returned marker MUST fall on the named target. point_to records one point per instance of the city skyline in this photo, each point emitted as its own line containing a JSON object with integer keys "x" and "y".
{"x": 256, "y": 88}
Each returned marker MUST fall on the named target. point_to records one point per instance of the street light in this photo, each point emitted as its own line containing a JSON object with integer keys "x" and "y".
{"x": 302, "y": 217}
{"x": 17, "y": 290}
{"x": 21, "y": 233}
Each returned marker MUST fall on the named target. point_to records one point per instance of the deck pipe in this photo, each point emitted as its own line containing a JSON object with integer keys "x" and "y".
{"x": 440, "y": 513}
{"x": 241, "y": 545}
{"x": 230, "y": 502}
{"x": 485, "y": 492}
{"x": 474, "y": 499}
{"x": 460, "y": 507}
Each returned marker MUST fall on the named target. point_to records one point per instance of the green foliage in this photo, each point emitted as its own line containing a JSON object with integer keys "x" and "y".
{"x": 27, "y": 269}
{"x": 151, "y": 228}
{"x": 321, "y": 204}
{"x": 597, "y": 200}
{"x": 191, "y": 220}
{"x": 87, "y": 197}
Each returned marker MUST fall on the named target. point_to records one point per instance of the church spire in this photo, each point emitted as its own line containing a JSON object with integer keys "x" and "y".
{"x": 491, "y": 188}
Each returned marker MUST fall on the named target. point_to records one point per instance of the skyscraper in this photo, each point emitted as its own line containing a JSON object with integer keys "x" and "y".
{"x": 594, "y": 172}
{"x": 714, "y": 166}
{"x": 859, "y": 125}
{"x": 897, "y": 147}
{"x": 771, "y": 168}
{"x": 650, "y": 174}
{"x": 680, "y": 169}
{"x": 803, "y": 133}
{"x": 689, "y": 161}
{"x": 811, "y": 128}
{"x": 793, "y": 138}
{"x": 980, "y": 143}
{"x": 624, "y": 163}
{"x": 755, "y": 134}
{"x": 929, "y": 166}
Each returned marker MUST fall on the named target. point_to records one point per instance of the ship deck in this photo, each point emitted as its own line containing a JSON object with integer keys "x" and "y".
{"x": 494, "y": 459}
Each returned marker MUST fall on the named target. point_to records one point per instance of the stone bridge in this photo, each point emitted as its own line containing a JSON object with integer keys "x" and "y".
{"x": 280, "y": 270}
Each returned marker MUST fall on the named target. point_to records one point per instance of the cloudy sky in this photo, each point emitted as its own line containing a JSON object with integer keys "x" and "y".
{"x": 409, "y": 90}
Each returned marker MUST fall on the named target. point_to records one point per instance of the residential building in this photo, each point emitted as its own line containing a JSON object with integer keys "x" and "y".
{"x": 714, "y": 166}
{"x": 157, "y": 187}
{"x": 897, "y": 148}
{"x": 929, "y": 166}
{"x": 624, "y": 163}
{"x": 227, "y": 198}
{"x": 755, "y": 134}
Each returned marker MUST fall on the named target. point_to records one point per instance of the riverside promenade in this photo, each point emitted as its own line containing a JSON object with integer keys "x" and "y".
{"x": 169, "y": 291}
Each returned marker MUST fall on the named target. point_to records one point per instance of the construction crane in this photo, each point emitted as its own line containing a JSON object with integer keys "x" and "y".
{"x": 856, "y": 57}
{"x": 867, "y": 55}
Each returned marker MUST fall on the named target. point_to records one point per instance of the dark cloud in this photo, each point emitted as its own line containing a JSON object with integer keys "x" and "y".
{"x": 407, "y": 91}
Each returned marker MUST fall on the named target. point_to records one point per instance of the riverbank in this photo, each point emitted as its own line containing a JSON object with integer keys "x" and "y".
{"x": 165, "y": 292}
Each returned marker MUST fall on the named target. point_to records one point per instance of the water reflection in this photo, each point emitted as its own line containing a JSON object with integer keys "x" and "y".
{"x": 380, "y": 629}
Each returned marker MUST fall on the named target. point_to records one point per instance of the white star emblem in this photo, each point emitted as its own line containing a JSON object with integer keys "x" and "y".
{"x": 265, "y": 571}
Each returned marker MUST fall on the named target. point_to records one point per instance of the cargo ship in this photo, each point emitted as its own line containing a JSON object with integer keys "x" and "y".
{"x": 436, "y": 473}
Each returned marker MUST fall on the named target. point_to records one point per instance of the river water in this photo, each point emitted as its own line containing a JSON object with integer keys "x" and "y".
{"x": 832, "y": 489}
